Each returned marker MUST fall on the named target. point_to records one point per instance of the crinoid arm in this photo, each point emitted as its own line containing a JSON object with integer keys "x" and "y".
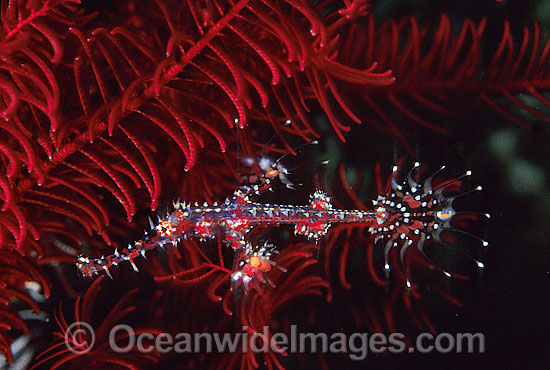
{"x": 252, "y": 264}
{"x": 412, "y": 213}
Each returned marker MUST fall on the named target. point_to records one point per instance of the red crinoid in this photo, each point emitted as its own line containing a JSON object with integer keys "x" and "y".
{"x": 105, "y": 115}
{"x": 15, "y": 273}
{"x": 441, "y": 74}
{"x": 192, "y": 266}
{"x": 103, "y": 112}
{"x": 125, "y": 90}
{"x": 80, "y": 344}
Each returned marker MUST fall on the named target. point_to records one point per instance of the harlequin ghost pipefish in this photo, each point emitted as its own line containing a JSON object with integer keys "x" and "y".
{"x": 408, "y": 214}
